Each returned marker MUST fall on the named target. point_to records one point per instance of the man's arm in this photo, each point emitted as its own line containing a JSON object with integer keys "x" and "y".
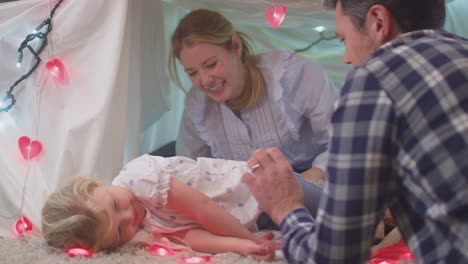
{"x": 360, "y": 180}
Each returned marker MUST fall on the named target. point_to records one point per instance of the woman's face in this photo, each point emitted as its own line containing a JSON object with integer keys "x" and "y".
{"x": 216, "y": 71}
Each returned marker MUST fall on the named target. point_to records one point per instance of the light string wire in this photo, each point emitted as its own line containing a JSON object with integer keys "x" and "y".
{"x": 41, "y": 83}
{"x": 269, "y": 3}
{"x": 25, "y": 45}
{"x": 30, "y": 235}
{"x": 315, "y": 42}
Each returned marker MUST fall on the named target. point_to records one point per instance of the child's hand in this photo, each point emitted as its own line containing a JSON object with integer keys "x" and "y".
{"x": 266, "y": 239}
{"x": 257, "y": 251}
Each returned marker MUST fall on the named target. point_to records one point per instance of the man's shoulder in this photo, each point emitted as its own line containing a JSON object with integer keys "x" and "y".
{"x": 424, "y": 42}
{"x": 411, "y": 50}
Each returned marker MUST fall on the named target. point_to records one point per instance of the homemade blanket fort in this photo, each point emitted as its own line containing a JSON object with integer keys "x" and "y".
{"x": 82, "y": 86}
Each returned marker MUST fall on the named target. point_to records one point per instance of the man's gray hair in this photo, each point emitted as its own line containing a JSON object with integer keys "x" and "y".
{"x": 410, "y": 15}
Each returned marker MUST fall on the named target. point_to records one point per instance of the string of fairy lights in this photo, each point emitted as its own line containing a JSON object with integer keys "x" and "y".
{"x": 28, "y": 148}
{"x": 322, "y": 37}
{"x": 9, "y": 100}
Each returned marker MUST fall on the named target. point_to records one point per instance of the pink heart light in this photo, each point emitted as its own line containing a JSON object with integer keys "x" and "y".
{"x": 76, "y": 252}
{"x": 161, "y": 251}
{"x": 29, "y": 149}
{"x": 275, "y": 15}
{"x": 57, "y": 70}
{"x": 22, "y": 225}
{"x": 196, "y": 260}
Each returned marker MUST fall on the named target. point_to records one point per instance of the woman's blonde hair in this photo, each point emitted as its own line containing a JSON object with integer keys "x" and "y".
{"x": 206, "y": 26}
{"x": 69, "y": 216}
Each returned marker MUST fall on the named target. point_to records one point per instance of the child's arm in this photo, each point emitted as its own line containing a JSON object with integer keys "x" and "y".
{"x": 214, "y": 218}
{"x": 202, "y": 240}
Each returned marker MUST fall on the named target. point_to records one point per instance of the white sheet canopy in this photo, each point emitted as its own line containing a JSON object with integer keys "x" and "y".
{"x": 83, "y": 124}
{"x": 118, "y": 102}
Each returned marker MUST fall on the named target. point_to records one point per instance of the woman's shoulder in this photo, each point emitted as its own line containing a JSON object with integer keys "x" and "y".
{"x": 197, "y": 103}
{"x": 194, "y": 95}
{"x": 280, "y": 59}
{"x": 284, "y": 72}
{"x": 274, "y": 59}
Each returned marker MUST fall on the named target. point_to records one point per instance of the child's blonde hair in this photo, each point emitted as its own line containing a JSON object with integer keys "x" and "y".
{"x": 69, "y": 216}
{"x": 207, "y": 26}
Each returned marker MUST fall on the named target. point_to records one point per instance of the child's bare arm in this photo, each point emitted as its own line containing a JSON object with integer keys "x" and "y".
{"x": 202, "y": 240}
{"x": 214, "y": 218}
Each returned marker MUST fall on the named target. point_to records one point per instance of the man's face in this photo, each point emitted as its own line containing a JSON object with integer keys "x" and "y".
{"x": 359, "y": 44}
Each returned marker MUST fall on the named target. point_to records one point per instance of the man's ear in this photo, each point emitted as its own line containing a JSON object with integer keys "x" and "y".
{"x": 382, "y": 24}
{"x": 237, "y": 44}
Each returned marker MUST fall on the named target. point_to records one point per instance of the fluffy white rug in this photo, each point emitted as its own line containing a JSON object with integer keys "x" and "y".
{"x": 20, "y": 251}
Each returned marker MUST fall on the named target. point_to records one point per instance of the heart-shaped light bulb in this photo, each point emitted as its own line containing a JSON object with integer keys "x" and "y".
{"x": 161, "y": 251}
{"x": 22, "y": 225}
{"x": 29, "y": 149}
{"x": 76, "y": 252}
{"x": 57, "y": 70}
{"x": 275, "y": 15}
{"x": 196, "y": 260}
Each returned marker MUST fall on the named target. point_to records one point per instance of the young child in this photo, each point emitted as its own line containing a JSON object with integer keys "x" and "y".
{"x": 203, "y": 203}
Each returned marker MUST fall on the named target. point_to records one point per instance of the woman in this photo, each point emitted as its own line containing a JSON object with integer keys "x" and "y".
{"x": 242, "y": 102}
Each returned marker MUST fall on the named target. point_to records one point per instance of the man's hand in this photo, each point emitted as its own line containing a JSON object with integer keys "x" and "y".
{"x": 273, "y": 184}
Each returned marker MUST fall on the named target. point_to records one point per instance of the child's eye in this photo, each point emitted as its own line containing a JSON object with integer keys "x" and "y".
{"x": 120, "y": 232}
{"x": 191, "y": 74}
{"x": 116, "y": 206}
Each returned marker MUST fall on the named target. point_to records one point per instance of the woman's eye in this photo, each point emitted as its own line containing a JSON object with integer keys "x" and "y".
{"x": 191, "y": 74}
{"x": 212, "y": 65}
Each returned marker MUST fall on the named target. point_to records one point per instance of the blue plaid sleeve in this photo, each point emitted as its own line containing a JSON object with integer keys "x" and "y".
{"x": 399, "y": 140}
{"x": 354, "y": 197}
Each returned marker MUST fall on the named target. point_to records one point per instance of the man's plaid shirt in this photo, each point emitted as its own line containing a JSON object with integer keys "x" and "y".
{"x": 400, "y": 140}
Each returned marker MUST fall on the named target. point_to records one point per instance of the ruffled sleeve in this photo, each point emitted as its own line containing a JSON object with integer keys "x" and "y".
{"x": 274, "y": 66}
{"x": 193, "y": 140}
{"x": 313, "y": 93}
{"x": 147, "y": 178}
{"x": 301, "y": 88}
{"x": 200, "y": 127}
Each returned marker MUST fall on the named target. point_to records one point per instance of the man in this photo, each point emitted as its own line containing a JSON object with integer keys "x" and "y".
{"x": 400, "y": 140}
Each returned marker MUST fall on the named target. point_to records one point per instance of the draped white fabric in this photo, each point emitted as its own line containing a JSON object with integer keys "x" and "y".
{"x": 119, "y": 102}
{"x": 85, "y": 123}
